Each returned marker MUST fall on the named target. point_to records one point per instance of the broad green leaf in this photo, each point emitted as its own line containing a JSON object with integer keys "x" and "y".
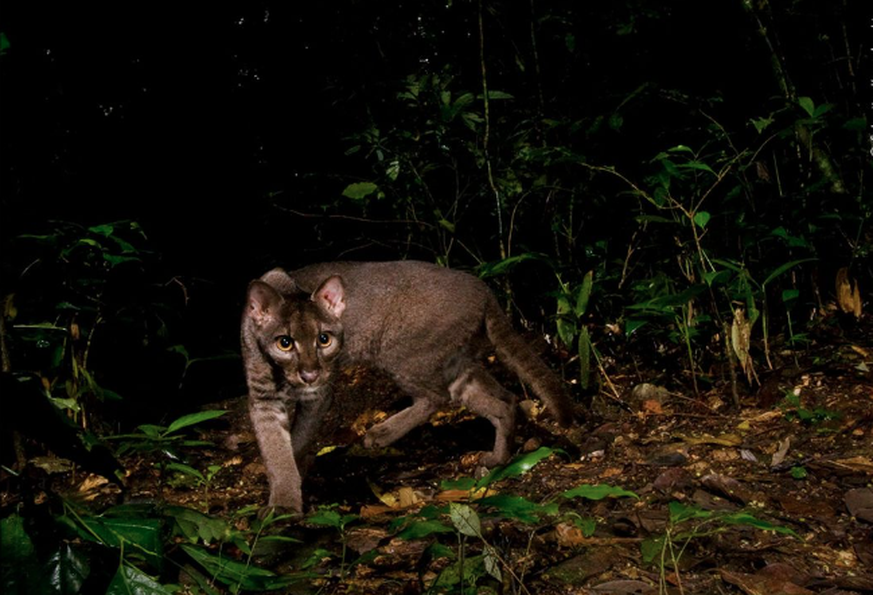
{"x": 789, "y": 295}
{"x": 713, "y": 278}
{"x": 652, "y": 219}
{"x": 807, "y": 104}
{"x": 455, "y": 574}
{"x": 632, "y": 325}
{"x": 465, "y": 519}
{"x": 651, "y": 548}
{"x": 584, "y": 357}
{"x": 67, "y": 569}
{"x": 4, "y": 43}
{"x": 680, "y": 149}
{"x": 492, "y": 563}
{"x": 233, "y": 573}
{"x": 761, "y": 124}
{"x": 15, "y": 543}
{"x": 584, "y": 293}
{"x": 185, "y": 470}
{"x": 464, "y": 483}
{"x": 421, "y": 529}
{"x": 500, "y": 267}
{"x": 855, "y": 124}
{"x": 139, "y": 535}
{"x": 785, "y": 267}
{"x": 518, "y": 466}
{"x": 359, "y": 190}
{"x": 519, "y": 508}
{"x": 698, "y": 165}
{"x": 682, "y": 512}
{"x": 598, "y": 492}
{"x": 194, "y": 418}
{"x": 194, "y": 525}
{"x": 130, "y": 580}
{"x": 701, "y": 219}
{"x": 496, "y": 95}
{"x": 744, "y": 518}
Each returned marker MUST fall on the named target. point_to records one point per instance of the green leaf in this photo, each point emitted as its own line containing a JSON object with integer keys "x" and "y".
{"x": 584, "y": 357}
{"x": 799, "y": 473}
{"x": 15, "y": 543}
{"x": 185, "y": 470}
{"x": 130, "y": 580}
{"x": 500, "y": 267}
{"x": 761, "y": 124}
{"x": 652, "y": 219}
{"x": 807, "y": 104}
{"x": 701, "y": 219}
{"x": 632, "y": 325}
{"x": 744, "y": 518}
{"x": 237, "y": 574}
{"x": 651, "y": 548}
{"x": 464, "y": 483}
{"x": 519, "y": 508}
{"x": 4, "y": 43}
{"x": 789, "y": 295}
{"x": 492, "y": 563}
{"x": 421, "y": 529}
{"x": 496, "y": 95}
{"x": 194, "y": 418}
{"x": 784, "y": 268}
{"x": 680, "y": 149}
{"x": 682, "y": 512}
{"x": 359, "y": 190}
{"x": 698, "y": 165}
{"x": 138, "y": 535}
{"x": 518, "y": 466}
{"x": 465, "y": 519}
{"x": 584, "y": 293}
{"x": 67, "y": 570}
{"x": 194, "y": 525}
{"x": 598, "y": 492}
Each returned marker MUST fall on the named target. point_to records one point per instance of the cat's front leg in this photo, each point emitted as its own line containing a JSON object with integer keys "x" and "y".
{"x": 270, "y": 421}
{"x": 307, "y": 422}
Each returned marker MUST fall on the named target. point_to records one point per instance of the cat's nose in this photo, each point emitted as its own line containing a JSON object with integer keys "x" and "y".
{"x": 309, "y": 376}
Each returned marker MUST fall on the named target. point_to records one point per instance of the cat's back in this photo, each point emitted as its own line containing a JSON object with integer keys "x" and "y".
{"x": 418, "y": 293}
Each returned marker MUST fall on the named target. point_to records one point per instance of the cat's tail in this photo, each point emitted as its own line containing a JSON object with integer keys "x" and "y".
{"x": 515, "y": 352}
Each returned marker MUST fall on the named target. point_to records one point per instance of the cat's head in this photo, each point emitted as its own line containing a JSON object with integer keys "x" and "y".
{"x": 301, "y": 334}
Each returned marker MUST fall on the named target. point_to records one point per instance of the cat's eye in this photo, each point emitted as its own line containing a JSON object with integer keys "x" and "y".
{"x": 324, "y": 340}
{"x": 285, "y": 343}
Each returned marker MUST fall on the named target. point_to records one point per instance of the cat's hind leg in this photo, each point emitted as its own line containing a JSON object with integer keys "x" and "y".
{"x": 477, "y": 390}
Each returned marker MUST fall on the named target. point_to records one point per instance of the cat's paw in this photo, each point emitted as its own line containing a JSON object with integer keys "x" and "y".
{"x": 377, "y": 437}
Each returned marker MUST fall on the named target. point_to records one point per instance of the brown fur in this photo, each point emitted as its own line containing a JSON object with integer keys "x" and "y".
{"x": 426, "y": 326}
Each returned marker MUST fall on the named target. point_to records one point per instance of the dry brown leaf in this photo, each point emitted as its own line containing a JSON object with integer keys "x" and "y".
{"x": 653, "y": 407}
{"x": 721, "y": 439}
{"x": 848, "y": 293}
{"x": 858, "y": 463}
{"x": 741, "y": 340}
{"x": 568, "y": 535}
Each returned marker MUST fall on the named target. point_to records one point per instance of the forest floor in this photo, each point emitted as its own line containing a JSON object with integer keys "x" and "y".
{"x": 703, "y": 497}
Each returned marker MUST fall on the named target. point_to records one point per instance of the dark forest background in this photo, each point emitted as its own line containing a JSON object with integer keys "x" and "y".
{"x": 694, "y": 157}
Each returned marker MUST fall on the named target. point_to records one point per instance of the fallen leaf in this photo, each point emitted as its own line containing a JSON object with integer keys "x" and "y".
{"x": 780, "y": 453}
{"x": 622, "y": 587}
{"x": 722, "y": 439}
{"x": 653, "y": 407}
{"x": 858, "y": 463}
{"x": 728, "y": 487}
{"x": 848, "y": 293}
{"x": 568, "y": 535}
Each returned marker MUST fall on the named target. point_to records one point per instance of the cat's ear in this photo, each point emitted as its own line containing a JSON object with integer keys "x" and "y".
{"x": 281, "y": 281}
{"x": 331, "y": 296}
{"x": 263, "y": 302}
